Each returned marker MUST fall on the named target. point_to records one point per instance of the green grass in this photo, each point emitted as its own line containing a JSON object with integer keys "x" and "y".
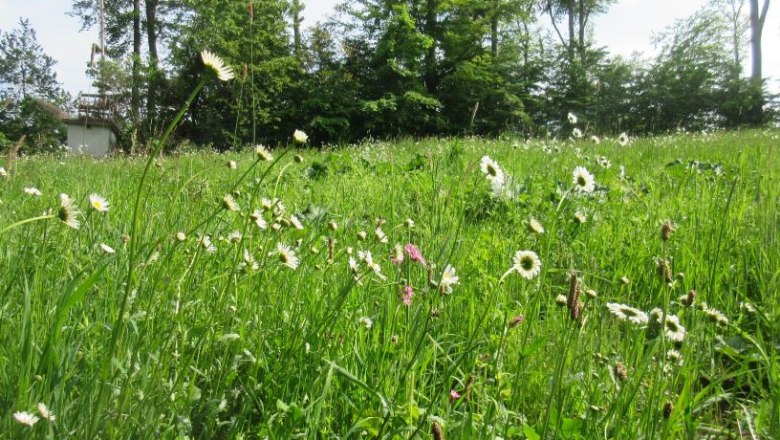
{"x": 196, "y": 344}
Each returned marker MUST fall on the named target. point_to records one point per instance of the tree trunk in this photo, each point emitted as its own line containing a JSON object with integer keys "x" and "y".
{"x": 135, "y": 98}
{"x": 296, "y": 9}
{"x": 581, "y": 22}
{"x": 151, "y": 40}
{"x": 494, "y": 29}
{"x": 572, "y": 37}
{"x": 757, "y": 19}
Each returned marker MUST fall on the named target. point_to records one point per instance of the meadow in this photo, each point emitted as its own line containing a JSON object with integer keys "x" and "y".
{"x": 455, "y": 288}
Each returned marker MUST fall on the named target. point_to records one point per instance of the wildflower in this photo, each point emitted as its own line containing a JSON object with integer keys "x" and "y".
{"x": 263, "y": 153}
{"x": 205, "y": 241}
{"x": 583, "y": 180}
{"x": 232, "y": 164}
{"x": 300, "y": 137}
{"x": 229, "y": 337}
{"x": 98, "y": 203}
{"x": 229, "y": 202}
{"x": 367, "y": 258}
{"x": 414, "y": 254}
{"x": 624, "y": 280}
{"x": 33, "y": 191}
{"x": 3, "y": 172}
{"x": 492, "y": 171}
{"x": 46, "y": 413}
{"x": 361, "y": 235}
{"x": 398, "y": 255}
{"x": 107, "y": 249}
{"x": 595, "y": 139}
{"x": 296, "y": 223}
{"x": 234, "y": 237}
{"x": 671, "y": 324}
{"x": 514, "y": 322}
{"x": 526, "y": 263}
{"x": 181, "y": 236}
{"x": 561, "y": 300}
{"x": 577, "y": 133}
{"x": 68, "y": 212}
{"x": 580, "y": 217}
{"x": 535, "y": 227}
{"x": 674, "y": 357}
{"x": 25, "y": 418}
{"x": 448, "y": 279}
{"x": 407, "y": 295}
{"x": 627, "y": 313}
{"x": 333, "y": 226}
{"x": 215, "y": 63}
{"x": 380, "y": 235}
{"x": 716, "y": 316}
{"x": 353, "y": 265}
{"x": 454, "y": 395}
{"x": 572, "y": 118}
{"x": 250, "y": 261}
{"x": 688, "y": 299}
{"x": 298, "y": 158}
{"x": 257, "y": 216}
{"x": 287, "y": 256}
{"x": 409, "y": 223}
{"x": 366, "y": 322}
{"x": 623, "y": 139}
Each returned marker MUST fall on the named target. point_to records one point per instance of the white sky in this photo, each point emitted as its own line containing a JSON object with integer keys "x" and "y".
{"x": 625, "y": 28}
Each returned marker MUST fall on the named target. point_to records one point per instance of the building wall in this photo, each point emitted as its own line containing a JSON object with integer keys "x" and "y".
{"x": 93, "y": 140}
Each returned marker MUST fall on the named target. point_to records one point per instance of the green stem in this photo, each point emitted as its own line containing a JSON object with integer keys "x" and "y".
{"x": 25, "y": 221}
{"x": 133, "y": 254}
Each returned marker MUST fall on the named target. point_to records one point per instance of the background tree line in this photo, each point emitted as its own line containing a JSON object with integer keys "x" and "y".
{"x": 386, "y": 68}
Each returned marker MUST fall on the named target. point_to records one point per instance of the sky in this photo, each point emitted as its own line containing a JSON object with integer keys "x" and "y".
{"x": 625, "y": 28}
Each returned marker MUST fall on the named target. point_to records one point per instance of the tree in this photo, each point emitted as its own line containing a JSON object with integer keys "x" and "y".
{"x": 25, "y": 70}
{"x": 32, "y": 98}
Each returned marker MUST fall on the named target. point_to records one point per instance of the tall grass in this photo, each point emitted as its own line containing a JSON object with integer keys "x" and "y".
{"x": 166, "y": 339}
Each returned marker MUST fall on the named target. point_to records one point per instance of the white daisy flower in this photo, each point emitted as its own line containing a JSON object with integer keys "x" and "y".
{"x": 33, "y": 191}
{"x": 577, "y": 133}
{"x": 46, "y": 413}
{"x": 181, "y": 236}
{"x": 627, "y": 313}
{"x": 492, "y": 171}
{"x": 535, "y": 226}
{"x": 98, "y": 203}
{"x": 208, "y": 246}
{"x": 229, "y": 202}
{"x": 296, "y": 222}
{"x": 300, "y": 137}
{"x": 25, "y": 418}
{"x": 263, "y": 153}
{"x": 234, "y": 237}
{"x": 380, "y": 235}
{"x": 448, "y": 279}
{"x": 583, "y": 180}
{"x": 107, "y": 249}
{"x": 68, "y": 212}
{"x": 572, "y": 118}
{"x": 257, "y": 216}
{"x": 526, "y": 263}
{"x": 287, "y": 256}
{"x": 215, "y": 63}
{"x": 580, "y": 217}
{"x": 366, "y": 322}
{"x": 623, "y": 139}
